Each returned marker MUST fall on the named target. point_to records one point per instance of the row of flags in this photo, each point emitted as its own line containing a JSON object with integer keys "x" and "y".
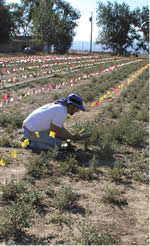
{"x": 43, "y": 59}
{"x": 46, "y": 72}
{"x": 52, "y": 134}
{"x": 8, "y": 99}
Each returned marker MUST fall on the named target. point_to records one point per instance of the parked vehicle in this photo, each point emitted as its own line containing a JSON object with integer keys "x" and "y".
{"x": 29, "y": 50}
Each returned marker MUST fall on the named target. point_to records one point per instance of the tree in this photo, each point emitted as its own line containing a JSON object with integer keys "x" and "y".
{"x": 30, "y": 5}
{"x": 6, "y": 23}
{"x": 62, "y": 42}
{"x": 53, "y": 23}
{"x": 45, "y": 23}
{"x": 67, "y": 17}
{"x": 116, "y": 24}
{"x": 142, "y": 26}
{"x": 22, "y": 23}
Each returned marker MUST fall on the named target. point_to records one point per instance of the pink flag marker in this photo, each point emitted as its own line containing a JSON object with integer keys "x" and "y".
{"x": 117, "y": 91}
{"x": 5, "y": 97}
{"x": 50, "y": 86}
{"x": 97, "y": 103}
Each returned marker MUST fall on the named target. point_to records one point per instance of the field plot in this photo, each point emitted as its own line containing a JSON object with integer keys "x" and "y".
{"x": 97, "y": 193}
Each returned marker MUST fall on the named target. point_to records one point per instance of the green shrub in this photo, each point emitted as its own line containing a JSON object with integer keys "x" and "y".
{"x": 6, "y": 142}
{"x": 143, "y": 115}
{"x": 13, "y": 120}
{"x": 135, "y": 135}
{"x": 37, "y": 165}
{"x": 35, "y": 197}
{"x": 66, "y": 199}
{"x": 115, "y": 173}
{"x": 94, "y": 235}
{"x": 113, "y": 195}
{"x": 12, "y": 190}
{"x": 87, "y": 172}
{"x": 16, "y": 217}
{"x": 126, "y": 131}
{"x": 58, "y": 219}
{"x": 69, "y": 165}
{"x": 141, "y": 177}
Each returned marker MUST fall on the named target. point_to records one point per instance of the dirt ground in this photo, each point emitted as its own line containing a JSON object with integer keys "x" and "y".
{"x": 128, "y": 223}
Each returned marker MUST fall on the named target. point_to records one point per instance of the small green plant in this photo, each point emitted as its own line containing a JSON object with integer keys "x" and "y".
{"x": 58, "y": 218}
{"x": 53, "y": 154}
{"x": 35, "y": 197}
{"x": 140, "y": 177}
{"x": 135, "y": 138}
{"x": 12, "y": 190}
{"x": 16, "y": 217}
{"x": 143, "y": 115}
{"x": 111, "y": 111}
{"x": 113, "y": 195}
{"x": 94, "y": 235}
{"x": 37, "y": 165}
{"x": 12, "y": 120}
{"x": 66, "y": 198}
{"x": 50, "y": 190}
{"x": 87, "y": 172}
{"x": 69, "y": 165}
{"x": 35, "y": 171}
{"x": 115, "y": 173}
{"x": 6, "y": 142}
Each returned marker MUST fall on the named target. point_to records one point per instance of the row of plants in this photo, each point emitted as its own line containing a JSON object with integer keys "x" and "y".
{"x": 29, "y": 70}
{"x": 127, "y": 117}
{"x": 61, "y": 80}
{"x": 104, "y": 82}
{"x": 137, "y": 95}
{"x": 15, "y": 120}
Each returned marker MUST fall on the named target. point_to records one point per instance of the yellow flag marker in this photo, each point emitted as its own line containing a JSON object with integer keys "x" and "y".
{"x": 101, "y": 99}
{"x": 2, "y": 163}
{"x": 25, "y": 143}
{"x": 14, "y": 154}
{"x": 52, "y": 134}
{"x": 82, "y": 130}
{"x": 93, "y": 104}
{"x": 37, "y": 134}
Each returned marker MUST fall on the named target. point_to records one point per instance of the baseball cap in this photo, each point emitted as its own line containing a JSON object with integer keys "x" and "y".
{"x": 76, "y": 101}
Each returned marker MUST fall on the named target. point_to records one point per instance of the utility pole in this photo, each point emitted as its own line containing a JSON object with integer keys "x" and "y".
{"x": 91, "y": 20}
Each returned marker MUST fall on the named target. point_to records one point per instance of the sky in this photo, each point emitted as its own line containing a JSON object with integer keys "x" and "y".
{"x": 88, "y": 8}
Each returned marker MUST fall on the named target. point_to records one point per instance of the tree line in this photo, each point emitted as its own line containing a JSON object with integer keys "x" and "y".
{"x": 53, "y": 22}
